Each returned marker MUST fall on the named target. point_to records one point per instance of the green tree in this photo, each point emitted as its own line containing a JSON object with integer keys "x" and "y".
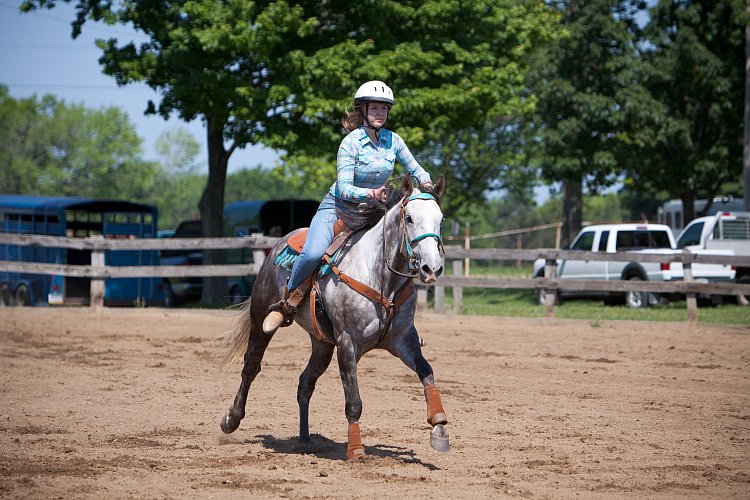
{"x": 693, "y": 141}
{"x": 587, "y": 86}
{"x": 178, "y": 201}
{"x": 23, "y": 148}
{"x": 459, "y": 95}
{"x": 258, "y": 183}
{"x": 95, "y": 153}
{"x": 277, "y": 72}
{"x": 178, "y": 151}
{"x": 50, "y": 147}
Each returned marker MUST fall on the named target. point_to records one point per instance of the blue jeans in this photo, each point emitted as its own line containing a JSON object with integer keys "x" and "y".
{"x": 319, "y": 237}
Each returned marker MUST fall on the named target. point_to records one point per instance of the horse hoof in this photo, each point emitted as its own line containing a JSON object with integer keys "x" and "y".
{"x": 355, "y": 453}
{"x": 439, "y": 438}
{"x": 229, "y": 424}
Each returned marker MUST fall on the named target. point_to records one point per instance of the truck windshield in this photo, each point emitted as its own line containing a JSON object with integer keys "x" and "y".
{"x": 691, "y": 235}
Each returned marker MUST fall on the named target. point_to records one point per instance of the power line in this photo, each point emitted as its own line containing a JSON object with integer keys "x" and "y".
{"x": 131, "y": 87}
{"x": 46, "y": 46}
{"x": 105, "y": 29}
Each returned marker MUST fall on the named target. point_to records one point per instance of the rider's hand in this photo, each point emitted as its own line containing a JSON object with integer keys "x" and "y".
{"x": 378, "y": 194}
{"x": 426, "y": 186}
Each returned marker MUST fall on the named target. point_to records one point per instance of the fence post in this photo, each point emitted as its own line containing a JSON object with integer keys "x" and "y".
{"x": 258, "y": 257}
{"x": 458, "y": 291}
{"x": 519, "y": 246}
{"x": 421, "y": 298}
{"x": 96, "y": 291}
{"x": 550, "y": 295}
{"x": 467, "y": 246}
{"x": 690, "y": 298}
{"x": 440, "y": 299}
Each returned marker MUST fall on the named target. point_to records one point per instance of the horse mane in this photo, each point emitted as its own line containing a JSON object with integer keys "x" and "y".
{"x": 358, "y": 216}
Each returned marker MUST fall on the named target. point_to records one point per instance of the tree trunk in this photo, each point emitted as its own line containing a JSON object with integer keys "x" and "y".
{"x": 572, "y": 210}
{"x": 688, "y": 207}
{"x": 746, "y": 143}
{"x": 212, "y": 211}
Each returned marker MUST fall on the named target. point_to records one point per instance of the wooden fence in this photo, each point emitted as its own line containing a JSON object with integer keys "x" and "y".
{"x": 97, "y": 271}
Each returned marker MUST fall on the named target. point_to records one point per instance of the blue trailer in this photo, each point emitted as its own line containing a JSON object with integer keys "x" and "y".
{"x": 76, "y": 218}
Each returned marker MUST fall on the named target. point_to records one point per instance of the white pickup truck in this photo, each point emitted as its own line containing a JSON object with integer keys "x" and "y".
{"x": 725, "y": 233}
{"x": 637, "y": 238}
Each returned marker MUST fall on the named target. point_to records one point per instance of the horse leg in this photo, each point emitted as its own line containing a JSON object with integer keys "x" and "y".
{"x": 347, "y": 359}
{"x": 410, "y": 353}
{"x": 320, "y": 358}
{"x": 256, "y": 347}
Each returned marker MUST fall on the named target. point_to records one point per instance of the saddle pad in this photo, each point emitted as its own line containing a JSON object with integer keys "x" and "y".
{"x": 286, "y": 259}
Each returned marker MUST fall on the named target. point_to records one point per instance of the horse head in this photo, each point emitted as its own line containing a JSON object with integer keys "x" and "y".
{"x": 420, "y": 219}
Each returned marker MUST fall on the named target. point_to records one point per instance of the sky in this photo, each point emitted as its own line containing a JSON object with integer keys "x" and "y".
{"x": 38, "y": 57}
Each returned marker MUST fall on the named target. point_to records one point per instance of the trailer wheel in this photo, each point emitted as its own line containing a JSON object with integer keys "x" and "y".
{"x": 6, "y": 297}
{"x": 22, "y": 296}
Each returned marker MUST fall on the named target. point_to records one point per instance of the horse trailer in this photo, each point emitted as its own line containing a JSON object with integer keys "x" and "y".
{"x": 76, "y": 217}
{"x": 241, "y": 218}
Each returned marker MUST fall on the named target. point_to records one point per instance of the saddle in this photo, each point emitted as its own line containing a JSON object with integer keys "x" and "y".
{"x": 342, "y": 234}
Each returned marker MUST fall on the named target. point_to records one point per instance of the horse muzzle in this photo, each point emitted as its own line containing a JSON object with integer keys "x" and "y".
{"x": 429, "y": 275}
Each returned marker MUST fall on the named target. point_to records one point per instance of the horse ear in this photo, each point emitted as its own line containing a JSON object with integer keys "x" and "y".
{"x": 439, "y": 188}
{"x": 407, "y": 185}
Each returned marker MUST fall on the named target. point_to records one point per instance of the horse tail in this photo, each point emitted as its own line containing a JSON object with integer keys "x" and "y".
{"x": 233, "y": 343}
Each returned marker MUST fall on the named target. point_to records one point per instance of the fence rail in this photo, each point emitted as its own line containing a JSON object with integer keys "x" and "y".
{"x": 98, "y": 271}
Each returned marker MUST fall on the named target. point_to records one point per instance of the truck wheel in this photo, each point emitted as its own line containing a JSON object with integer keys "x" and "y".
{"x": 542, "y": 295}
{"x": 6, "y": 298}
{"x": 22, "y": 296}
{"x": 636, "y": 300}
{"x": 743, "y": 300}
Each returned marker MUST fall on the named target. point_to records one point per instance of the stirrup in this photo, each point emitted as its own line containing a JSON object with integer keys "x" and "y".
{"x": 286, "y": 308}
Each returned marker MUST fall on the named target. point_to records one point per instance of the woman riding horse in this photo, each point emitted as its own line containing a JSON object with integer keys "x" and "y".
{"x": 365, "y": 161}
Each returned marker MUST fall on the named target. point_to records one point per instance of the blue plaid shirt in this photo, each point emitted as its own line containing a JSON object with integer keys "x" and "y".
{"x": 362, "y": 165}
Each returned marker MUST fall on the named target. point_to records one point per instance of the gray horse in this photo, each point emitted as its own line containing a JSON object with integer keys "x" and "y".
{"x": 368, "y": 303}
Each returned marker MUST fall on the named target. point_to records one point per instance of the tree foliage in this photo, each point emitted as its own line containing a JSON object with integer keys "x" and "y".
{"x": 278, "y": 72}
{"x": 178, "y": 150}
{"x": 50, "y": 147}
{"x": 693, "y": 138}
{"x": 588, "y": 88}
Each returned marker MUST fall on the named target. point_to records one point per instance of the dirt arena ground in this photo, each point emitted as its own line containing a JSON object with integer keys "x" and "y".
{"x": 126, "y": 403}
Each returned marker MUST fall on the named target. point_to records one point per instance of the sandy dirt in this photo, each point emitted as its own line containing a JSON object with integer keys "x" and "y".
{"x": 126, "y": 403}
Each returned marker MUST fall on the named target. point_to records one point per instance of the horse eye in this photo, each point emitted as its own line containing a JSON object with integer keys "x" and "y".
{"x": 408, "y": 219}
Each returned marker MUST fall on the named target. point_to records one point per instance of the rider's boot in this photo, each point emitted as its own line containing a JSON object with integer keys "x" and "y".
{"x": 282, "y": 313}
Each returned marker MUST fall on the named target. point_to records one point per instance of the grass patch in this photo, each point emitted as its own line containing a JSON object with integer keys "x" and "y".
{"x": 523, "y": 303}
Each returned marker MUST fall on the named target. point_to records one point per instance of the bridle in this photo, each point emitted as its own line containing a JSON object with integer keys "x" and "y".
{"x": 407, "y": 243}
{"x": 402, "y": 294}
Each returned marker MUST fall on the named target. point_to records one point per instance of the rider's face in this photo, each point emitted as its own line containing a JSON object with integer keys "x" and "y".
{"x": 377, "y": 113}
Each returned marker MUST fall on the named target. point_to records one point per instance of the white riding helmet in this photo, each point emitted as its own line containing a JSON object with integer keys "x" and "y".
{"x": 374, "y": 91}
